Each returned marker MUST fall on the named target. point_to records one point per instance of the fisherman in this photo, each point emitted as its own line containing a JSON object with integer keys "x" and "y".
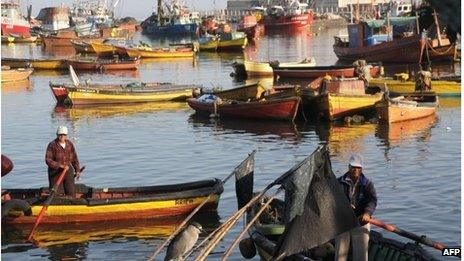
{"x": 61, "y": 155}
{"x": 361, "y": 193}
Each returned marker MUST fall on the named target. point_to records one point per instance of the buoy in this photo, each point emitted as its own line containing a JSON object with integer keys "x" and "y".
{"x": 247, "y": 248}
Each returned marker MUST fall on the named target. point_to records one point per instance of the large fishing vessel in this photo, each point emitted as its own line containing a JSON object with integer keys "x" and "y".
{"x": 12, "y": 19}
{"x": 175, "y": 19}
{"x": 291, "y": 15}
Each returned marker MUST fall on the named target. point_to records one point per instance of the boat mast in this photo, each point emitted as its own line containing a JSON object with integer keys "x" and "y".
{"x": 438, "y": 27}
{"x": 160, "y": 11}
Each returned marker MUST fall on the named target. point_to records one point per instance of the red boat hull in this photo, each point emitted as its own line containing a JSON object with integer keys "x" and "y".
{"x": 116, "y": 65}
{"x": 406, "y": 50}
{"x": 60, "y": 94}
{"x": 15, "y": 29}
{"x": 283, "y": 109}
{"x": 290, "y": 22}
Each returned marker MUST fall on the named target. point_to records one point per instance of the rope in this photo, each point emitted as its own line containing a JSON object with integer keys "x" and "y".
{"x": 437, "y": 52}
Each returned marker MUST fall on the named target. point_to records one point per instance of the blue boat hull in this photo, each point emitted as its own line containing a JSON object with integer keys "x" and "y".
{"x": 176, "y": 29}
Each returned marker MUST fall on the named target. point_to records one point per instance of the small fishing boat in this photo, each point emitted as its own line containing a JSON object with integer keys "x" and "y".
{"x": 104, "y": 64}
{"x": 393, "y": 46}
{"x": 208, "y": 43}
{"x": 147, "y": 52}
{"x": 344, "y": 97}
{"x": 235, "y": 41}
{"x": 111, "y": 204}
{"x": 310, "y": 216}
{"x": 120, "y": 93}
{"x": 272, "y": 109}
{"x": 38, "y": 64}
{"x": 296, "y": 71}
{"x": 408, "y": 107}
{"x": 442, "y": 88}
{"x": 13, "y": 75}
{"x": 82, "y": 46}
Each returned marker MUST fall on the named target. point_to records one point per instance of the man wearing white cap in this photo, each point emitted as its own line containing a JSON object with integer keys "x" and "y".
{"x": 61, "y": 155}
{"x": 361, "y": 193}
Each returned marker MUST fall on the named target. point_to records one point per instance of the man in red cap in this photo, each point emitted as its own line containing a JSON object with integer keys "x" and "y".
{"x": 61, "y": 155}
{"x": 361, "y": 193}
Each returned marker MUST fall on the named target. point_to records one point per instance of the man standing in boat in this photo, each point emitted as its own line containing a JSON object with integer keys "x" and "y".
{"x": 61, "y": 155}
{"x": 361, "y": 193}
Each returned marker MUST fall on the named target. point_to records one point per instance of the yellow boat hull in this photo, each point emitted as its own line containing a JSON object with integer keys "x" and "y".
{"x": 158, "y": 54}
{"x": 441, "y": 88}
{"x": 236, "y": 44}
{"x": 209, "y": 46}
{"x": 337, "y": 106}
{"x": 258, "y": 69}
{"x": 102, "y": 49}
{"x": 83, "y": 97}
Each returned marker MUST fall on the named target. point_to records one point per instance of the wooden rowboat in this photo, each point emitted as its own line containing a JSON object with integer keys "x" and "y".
{"x": 51, "y": 41}
{"x": 278, "y": 109}
{"x": 101, "y": 64}
{"x": 106, "y": 204}
{"x": 440, "y": 87}
{"x": 13, "y": 75}
{"x": 160, "y": 53}
{"x": 120, "y": 93}
{"x": 38, "y": 64}
{"x": 404, "y": 108}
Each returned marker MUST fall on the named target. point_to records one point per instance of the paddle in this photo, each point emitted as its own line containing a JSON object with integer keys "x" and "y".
{"x": 420, "y": 239}
{"x": 48, "y": 201}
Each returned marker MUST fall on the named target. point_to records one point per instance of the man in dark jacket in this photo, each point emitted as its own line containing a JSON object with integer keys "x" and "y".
{"x": 61, "y": 155}
{"x": 361, "y": 193}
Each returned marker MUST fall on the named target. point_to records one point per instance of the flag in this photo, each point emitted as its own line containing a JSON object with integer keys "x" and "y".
{"x": 244, "y": 180}
{"x": 316, "y": 209}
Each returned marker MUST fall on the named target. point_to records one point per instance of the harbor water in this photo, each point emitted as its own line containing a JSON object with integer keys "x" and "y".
{"x": 415, "y": 165}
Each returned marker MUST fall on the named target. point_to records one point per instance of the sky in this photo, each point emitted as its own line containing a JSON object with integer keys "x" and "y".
{"x": 140, "y": 9}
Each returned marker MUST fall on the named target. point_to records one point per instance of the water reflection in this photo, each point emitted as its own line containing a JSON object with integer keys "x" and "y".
{"x": 395, "y": 134}
{"x": 72, "y": 240}
{"x": 449, "y": 102}
{"x": 345, "y": 139}
{"x": 17, "y": 86}
{"x": 76, "y": 113}
{"x": 279, "y": 129}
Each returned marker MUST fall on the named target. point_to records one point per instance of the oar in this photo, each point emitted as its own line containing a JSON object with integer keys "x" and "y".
{"x": 420, "y": 239}
{"x": 48, "y": 201}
